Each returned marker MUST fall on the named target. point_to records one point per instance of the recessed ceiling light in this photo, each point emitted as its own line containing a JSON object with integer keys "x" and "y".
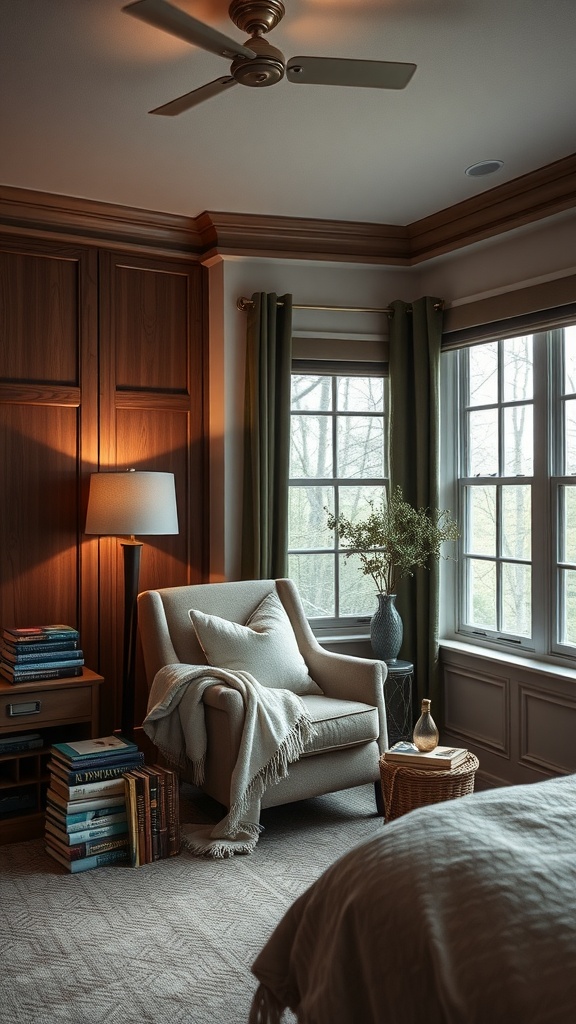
{"x": 484, "y": 167}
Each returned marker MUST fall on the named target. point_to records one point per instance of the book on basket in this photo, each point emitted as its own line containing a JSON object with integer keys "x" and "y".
{"x": 441, "y": 757}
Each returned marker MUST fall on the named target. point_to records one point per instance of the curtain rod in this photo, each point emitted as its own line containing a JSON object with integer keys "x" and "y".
{"x": 244, "y": 304}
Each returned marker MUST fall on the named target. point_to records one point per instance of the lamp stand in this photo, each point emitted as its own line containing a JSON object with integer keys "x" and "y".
{"x": 132, "y": 550}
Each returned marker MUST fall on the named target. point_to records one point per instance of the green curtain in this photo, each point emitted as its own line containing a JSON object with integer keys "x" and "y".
{"x": 415, "y": 340}
{"x": 267, "y": 437}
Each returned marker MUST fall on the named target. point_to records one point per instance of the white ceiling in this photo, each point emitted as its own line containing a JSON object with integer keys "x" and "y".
{"x": 495, "y": 79}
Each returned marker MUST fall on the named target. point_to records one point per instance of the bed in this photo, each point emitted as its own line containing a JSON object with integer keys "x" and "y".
{"x": 459, "y": 913}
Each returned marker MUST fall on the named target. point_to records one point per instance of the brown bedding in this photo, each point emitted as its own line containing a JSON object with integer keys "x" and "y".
{"x": 459, "y": 913}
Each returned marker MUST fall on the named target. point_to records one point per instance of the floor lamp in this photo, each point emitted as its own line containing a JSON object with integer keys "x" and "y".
{"x": 123, "y": 505}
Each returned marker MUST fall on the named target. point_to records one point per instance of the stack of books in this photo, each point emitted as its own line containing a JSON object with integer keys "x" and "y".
{"x": 86, "y": 816}
{"x": 40, "y": 652}
{"x": 407, "y": 753}
{"x": 153, "y": 809}
{"x": 21, "y": 743}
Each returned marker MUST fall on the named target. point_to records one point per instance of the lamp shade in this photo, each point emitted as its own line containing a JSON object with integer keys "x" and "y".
{"x": 130, "y": 503}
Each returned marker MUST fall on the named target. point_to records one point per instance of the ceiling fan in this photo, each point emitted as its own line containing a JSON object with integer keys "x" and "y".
{"x": 257, "y": 63}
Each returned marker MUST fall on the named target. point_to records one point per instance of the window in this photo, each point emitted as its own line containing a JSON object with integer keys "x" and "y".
{"x": 517, "y": 491}
{"x": 338, "y": 460}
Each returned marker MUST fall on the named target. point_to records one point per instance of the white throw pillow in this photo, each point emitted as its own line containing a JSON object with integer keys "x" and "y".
{"x": 265, "y": 647}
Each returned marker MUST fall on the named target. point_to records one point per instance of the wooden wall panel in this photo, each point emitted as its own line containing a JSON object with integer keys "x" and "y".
{"x": 101, "y": 367}
{"x": 39, "y": 522}
{"x": 152, "y": 418}
{"x": 150, "y": 316}
{"x": 39, "y": 326}
{"x": 48, "y": 431}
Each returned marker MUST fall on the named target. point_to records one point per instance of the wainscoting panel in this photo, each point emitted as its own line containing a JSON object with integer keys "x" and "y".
{"x": 547, "y": 730}
{"x": 517, "y": 715}
{"x": 477, "y": 707}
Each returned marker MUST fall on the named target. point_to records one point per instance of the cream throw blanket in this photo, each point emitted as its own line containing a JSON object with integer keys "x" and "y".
{"x": 276, "y": 729}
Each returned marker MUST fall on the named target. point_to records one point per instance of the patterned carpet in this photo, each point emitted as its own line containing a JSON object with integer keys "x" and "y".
{"x": 167, "y": 943}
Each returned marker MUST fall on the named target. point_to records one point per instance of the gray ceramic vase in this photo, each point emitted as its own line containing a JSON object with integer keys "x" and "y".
{"x": 386, "y": 629}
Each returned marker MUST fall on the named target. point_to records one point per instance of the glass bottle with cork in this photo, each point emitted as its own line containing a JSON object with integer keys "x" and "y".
{"x": 425, "y": 735}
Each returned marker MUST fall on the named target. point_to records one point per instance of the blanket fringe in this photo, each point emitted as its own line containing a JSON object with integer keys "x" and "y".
{"x": 265, "y": 1007}
{"x": 273, "y": 772}
{"x": 200, "y": 841}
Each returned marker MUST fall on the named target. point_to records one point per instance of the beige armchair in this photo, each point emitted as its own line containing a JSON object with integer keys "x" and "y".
{"x": 349, "y": 713}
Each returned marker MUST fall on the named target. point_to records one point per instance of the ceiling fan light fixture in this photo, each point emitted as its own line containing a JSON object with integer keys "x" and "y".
{"x": 484, "y": 167}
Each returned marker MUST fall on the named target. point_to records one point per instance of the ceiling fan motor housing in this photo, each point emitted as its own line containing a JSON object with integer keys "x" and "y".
{"x": 266, "y": 68}
{"x": 256, "y": 16}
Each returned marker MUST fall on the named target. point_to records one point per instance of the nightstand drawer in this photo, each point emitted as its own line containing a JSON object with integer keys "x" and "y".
{"x": 41, "y": 707}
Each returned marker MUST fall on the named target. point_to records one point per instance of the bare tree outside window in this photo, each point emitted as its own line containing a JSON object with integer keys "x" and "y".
{"x": 338, "y": 459}
{"x": 505, "y": 490}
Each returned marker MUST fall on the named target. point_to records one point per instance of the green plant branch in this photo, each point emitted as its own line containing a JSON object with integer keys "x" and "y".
{"x": 395, "y": 539}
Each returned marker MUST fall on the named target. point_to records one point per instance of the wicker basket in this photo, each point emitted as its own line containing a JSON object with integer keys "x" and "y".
{"x": 405, "y": 788}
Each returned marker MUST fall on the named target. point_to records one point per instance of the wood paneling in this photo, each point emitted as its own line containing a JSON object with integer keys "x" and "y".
{"x": 48, "y": 431}
{"x": 152, "y": 418}
{"x": 151, "y": 317}
{"x": 101, "y": 367}
{"x": 39, "y": 522}
{"x": 39, "y": 300}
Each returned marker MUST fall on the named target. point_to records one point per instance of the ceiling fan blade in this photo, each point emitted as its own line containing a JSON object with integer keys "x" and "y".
{"x": 192, "y": 99}
{"x": 171, "y": 19}
{"x": 369, "y": 74}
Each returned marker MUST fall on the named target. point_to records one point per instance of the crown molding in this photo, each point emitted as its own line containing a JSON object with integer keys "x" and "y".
{"x": 237, "y": 234}
{"x": 531, "y": 197}
{"x": 71, "y": 219}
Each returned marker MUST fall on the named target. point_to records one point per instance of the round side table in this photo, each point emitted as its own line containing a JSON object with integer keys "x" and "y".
{"x": 398, "y": 700}
{"x": 405, "y": 788}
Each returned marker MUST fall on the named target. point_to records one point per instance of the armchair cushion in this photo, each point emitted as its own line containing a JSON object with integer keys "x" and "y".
{"x": 265, "y": 647}
{"x": 339, "y": 723}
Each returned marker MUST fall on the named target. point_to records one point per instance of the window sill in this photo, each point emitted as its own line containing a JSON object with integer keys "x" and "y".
{"x": 530, "y": 664}
{"x": 342, "y": 638}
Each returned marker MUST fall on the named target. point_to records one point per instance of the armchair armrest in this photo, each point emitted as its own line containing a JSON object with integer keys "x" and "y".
{"x": 350, "y": 678}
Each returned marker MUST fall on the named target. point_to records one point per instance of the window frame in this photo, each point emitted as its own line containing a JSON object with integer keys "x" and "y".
{"x": 341, "y": 625}
{"x": 546, "y": 482}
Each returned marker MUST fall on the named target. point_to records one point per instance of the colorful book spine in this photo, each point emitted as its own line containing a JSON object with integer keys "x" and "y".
{"x": 88, "y": 790}
{"x": 97, "y": 860}
{"x": 88, "y": 775}
{"x": 54, "y": 658}
{"x": 73, "y": 838}
{"x": 63, "y": 822}
{"x": 152, "y": 805}
{"x": 89, "y": 848}
{"x": 28, "y": 675}
{"x": 37, "y": 647}
{"x": 77, "y": 806}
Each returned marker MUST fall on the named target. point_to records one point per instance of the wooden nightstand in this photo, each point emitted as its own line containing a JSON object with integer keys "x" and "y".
{"x": 58, "y": 709}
